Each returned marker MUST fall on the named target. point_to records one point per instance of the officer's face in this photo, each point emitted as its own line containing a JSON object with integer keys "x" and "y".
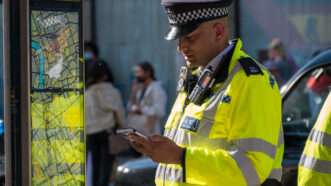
{"x": 198, "y": 47}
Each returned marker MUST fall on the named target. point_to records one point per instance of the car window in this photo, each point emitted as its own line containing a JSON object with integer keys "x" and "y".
{"x": 301, "y": 109}
{"x": 306, "y": 99}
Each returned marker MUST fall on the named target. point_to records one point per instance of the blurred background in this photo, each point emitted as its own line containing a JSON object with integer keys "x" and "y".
{"x": 129, "y": 31}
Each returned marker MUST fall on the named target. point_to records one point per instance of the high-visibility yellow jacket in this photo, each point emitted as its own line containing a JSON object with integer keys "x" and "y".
{"x": 315, "y": 163}
{"x": 235, "y": 137}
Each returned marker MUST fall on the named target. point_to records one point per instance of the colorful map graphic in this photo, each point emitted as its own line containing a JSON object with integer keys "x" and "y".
{"x": 57, "y": 104}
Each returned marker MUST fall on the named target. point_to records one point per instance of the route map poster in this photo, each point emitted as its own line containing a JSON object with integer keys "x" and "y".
{"x": 57, "y": 99}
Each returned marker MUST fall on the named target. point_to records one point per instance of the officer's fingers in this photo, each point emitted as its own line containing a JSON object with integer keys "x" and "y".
{"x": 137, "y": 139}
{"x": 138, "y": 147}
{"x": 132, "y": 137}
{"x": 144, "y": 145}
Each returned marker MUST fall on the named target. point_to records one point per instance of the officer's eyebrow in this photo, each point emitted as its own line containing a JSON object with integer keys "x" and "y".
{"x": 195, "y": 33}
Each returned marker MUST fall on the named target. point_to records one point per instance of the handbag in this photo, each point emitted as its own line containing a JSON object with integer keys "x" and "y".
{"x": 117, "y": 143}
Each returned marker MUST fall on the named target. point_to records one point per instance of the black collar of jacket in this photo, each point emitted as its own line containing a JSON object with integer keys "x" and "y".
{"x": 223, "y": 70}
{"x": 191, "y": 81}
{"x": 222, "y": 74}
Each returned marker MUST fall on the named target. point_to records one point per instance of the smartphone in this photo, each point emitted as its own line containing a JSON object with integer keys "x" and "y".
{"x": 126, "y": 131}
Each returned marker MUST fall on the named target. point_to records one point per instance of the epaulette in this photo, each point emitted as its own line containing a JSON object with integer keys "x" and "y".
{"x": 250, "y": 67}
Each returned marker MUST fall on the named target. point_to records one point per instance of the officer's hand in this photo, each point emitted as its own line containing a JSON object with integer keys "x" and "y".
{"x": 160, "y": 149}
{"x": 140, "y": 144}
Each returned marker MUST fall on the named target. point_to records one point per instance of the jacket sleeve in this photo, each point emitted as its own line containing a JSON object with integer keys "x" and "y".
{"x": 252, "y": 123}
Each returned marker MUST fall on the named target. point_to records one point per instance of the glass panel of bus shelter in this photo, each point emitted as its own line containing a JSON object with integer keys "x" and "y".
{"x": 57, "y": 96}
{"x": 2, "y": 125}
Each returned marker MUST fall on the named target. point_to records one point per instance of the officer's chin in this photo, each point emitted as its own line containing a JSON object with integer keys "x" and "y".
{"x": 191, "y": 64}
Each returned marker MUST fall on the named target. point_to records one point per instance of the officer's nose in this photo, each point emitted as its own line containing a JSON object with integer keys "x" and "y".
{"x": 182, "y": 45}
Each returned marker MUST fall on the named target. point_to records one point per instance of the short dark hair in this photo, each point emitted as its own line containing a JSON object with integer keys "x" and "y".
{"x": 147, "y": 67}
{"x": 92, "y": 46}
{"x": 95, "y": 70}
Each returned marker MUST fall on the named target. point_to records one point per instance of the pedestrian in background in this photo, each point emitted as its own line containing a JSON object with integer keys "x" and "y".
{"x": 280, "y": 64}
{"x": 91, "y": 51}
{"x": 104, "y": 112}
{"x": 147, "y": 103}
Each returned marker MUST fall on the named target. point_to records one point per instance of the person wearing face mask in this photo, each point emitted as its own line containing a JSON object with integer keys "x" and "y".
{"x": 280, "y": 63}
{"x": 91, "y": 57}
{"x": 147, "y": 102}
{"x": 104, "y": 111}
{"x": 91, "y": 51}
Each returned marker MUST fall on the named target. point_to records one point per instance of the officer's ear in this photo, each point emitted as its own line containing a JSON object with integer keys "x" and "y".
{"x": 219, "y": 29}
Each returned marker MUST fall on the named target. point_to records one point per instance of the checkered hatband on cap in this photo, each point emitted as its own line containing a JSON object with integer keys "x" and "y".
{"x": 186, "y": 15}
{"x": 196, "y": 15}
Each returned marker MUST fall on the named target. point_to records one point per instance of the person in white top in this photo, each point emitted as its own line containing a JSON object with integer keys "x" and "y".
{"x": 147, "y": 102}
{"x": 104, "y": 112}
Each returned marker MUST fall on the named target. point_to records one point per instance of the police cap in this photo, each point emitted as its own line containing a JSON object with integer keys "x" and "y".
{"x": 186, "y": 15}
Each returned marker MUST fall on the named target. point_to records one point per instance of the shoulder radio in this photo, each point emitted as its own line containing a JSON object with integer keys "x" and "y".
{"x": 208, "y": 76}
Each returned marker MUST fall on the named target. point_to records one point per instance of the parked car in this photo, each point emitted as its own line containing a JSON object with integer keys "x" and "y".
{"x": 303, "y": 96}
{"x": 139, "y": 172}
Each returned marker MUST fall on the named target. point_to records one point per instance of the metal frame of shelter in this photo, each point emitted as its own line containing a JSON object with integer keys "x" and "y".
{"x": 18, "y": 87}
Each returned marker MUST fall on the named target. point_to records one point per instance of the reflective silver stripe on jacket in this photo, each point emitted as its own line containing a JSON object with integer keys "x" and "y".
{"x": 276, "y": 174}
{"x": 170, "y": 133}
{"x": 314, "y": 164}
{"x": 170, "y": 173}
{"x": 246, "y": 167}
{"x": 257, "y": 145}
{"x": 281, "y": 137}
{"x": 246, "y": 144}
{"x": 320, "y": 137}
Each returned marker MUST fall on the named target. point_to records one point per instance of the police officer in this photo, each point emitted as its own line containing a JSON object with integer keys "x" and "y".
{"x": 315, "y": 163}
{"x": 225, "y": 125}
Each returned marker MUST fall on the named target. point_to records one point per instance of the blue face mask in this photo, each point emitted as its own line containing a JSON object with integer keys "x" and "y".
{"x": 88, "y": 55}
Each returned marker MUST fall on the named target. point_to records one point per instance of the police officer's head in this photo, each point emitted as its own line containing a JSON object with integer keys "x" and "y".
{"x": 201, "y": 27}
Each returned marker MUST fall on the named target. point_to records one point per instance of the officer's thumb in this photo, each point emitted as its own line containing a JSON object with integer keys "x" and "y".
{"x": 158, "y": 138}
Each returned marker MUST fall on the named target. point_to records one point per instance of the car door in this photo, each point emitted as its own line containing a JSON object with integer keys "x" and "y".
{"x": 301, "y": 106}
